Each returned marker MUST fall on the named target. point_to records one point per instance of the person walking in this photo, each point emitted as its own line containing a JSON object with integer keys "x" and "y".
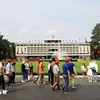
{"x": 8, "y": 71}
{"x": 94, "y": 71}
{"x": 49, "y": 71}
{"x": 31, "y": 70}
{"x": 13, "y": 69}
{"x": 56, "y": 72}
{"x": 72, "y": 69}
{"x": 66, "y": 76}
{"x": 41, "y": 73}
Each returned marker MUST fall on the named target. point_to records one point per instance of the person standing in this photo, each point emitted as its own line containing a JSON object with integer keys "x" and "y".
{"x": 66, "y": 76}
{"x": 27, "y": 69}
{"x": 83, "y": 68}
{"x": 23, "y": 70}
{"x": 72, "y": 69}
{"x": 13, "y": 69}
{"x": 2, "y": 82}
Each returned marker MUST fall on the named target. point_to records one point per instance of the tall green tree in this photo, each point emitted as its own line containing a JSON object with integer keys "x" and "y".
{"x": 95, "y": 43}
{"x": 7, "y": 49}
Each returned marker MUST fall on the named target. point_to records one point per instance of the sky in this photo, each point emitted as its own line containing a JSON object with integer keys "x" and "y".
{"x": 29, "y": 20}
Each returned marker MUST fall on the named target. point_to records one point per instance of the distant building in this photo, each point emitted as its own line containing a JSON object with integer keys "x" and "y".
{"x": 53, "y": 47}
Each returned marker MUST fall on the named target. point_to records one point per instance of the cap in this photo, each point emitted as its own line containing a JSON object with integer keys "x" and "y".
{"x": 57, "y": 62}
{"x": 14, "y": 60}
{"x": 9, "y": 60}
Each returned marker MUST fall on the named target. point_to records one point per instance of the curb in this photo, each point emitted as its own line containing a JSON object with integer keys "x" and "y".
{"x": 45, "y": 76}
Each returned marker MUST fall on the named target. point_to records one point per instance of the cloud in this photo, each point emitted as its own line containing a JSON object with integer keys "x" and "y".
{"x": 51, "y": 32}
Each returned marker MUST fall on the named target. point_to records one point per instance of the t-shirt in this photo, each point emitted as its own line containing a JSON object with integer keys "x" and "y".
{"x": 8, "y": 69}
{"x": 41, "y": 70}
{"x": 49, "y": 67}
{"x": 83, "y": 68}
{"x": 13, "y": 67}
{"x": 71, "y": 68}
{"x": 56, "y": 69}
{"x": 26, "y": 66}
{"x": 65, "y": 68}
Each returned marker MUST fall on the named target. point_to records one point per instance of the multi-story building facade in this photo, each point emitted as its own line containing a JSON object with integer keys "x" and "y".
{"x": 53, "y": 47}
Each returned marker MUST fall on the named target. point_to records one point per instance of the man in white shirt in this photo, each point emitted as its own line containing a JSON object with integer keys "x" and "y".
{"x": 56, "y": 72}
{"x": 8, "y": 71}
{"x": 27, "y": 67}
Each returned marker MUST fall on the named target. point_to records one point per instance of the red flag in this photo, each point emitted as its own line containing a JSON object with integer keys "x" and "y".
{"x": 98, "y": 51}
{"x": 88, "y": 52}
{"x": 93, "y": 52}
{"x": 12, "y": 53}
{"x": 22, "y": 52}
{"x": 1, "y": 52}
{"x": 17, "y": 52}
{"x": 53, "y": 36}
{"x": 6, "y": 52}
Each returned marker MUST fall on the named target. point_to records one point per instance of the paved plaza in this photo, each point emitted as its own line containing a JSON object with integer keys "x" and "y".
{"x": 31, "y": 91}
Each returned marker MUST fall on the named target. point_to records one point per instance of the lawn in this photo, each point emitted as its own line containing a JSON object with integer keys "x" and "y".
{"x": 77, "y": 64}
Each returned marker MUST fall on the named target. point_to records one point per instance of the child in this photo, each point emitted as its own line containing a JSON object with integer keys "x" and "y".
{"x": 83, "y": 67}
{"x": 31, "y": 70}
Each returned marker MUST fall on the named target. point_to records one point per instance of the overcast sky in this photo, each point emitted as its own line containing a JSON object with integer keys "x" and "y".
{"x": 27, "y": 20}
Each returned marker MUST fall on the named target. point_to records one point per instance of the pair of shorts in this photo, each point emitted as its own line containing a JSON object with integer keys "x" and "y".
{"x": 41, "y": 76}
{"x": 72, "y": 77}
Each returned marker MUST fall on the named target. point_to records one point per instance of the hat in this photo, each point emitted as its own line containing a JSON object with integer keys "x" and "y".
{"x": 14, "y": 60}
{"x": 67, "y": 60}
{"x": 57, "y": 62}
{"x": 9, "y": 60}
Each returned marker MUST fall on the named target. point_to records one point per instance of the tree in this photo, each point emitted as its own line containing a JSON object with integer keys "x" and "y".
{"x": 95, "y": 43}
{"x": 6, "y": 48}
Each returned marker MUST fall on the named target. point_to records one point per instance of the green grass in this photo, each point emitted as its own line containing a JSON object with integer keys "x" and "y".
{"x": 77, "y": 64}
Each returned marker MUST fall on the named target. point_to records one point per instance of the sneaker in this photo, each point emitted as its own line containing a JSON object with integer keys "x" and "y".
{"x": 22, "y": 81}
{"x": 4, "y": 92}
{"x": 90, "y": 80}
{"x": 66, "y": 92}
{"x": 73, "y": 87}
{"x": 94, "y": 81}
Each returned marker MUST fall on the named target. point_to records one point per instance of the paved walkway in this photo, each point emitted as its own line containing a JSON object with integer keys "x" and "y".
{"x": 31, "y": 91}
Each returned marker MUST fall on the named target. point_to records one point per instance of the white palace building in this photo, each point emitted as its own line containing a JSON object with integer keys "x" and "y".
{"x": 53, "y": 47}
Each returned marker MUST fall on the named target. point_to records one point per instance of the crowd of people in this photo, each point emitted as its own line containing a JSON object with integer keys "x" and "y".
{"x": 91, "y": 71}
{"x": 7, "y": 74}
{"x": 8, "y": 70}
